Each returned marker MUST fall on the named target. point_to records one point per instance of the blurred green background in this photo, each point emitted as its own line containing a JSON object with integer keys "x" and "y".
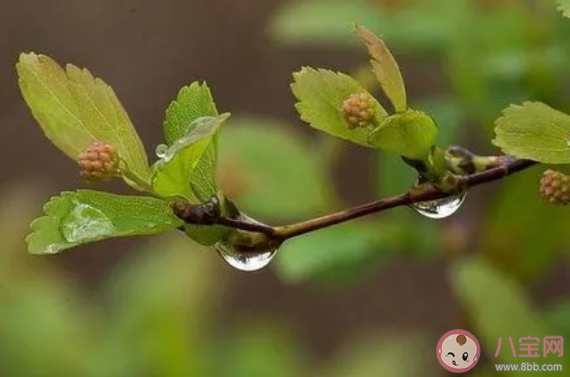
{"x": 368, "y": 298}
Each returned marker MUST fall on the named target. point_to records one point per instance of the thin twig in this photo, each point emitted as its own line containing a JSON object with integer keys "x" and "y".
{"x": 509, "y": 165}
{"x": 247, "y": 225}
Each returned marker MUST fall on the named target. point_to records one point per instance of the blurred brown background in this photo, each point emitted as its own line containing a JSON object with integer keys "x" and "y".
{"x": 147, "y": 50}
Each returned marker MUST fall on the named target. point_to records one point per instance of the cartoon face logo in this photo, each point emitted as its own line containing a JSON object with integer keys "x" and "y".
{"x": 458, "y": 351}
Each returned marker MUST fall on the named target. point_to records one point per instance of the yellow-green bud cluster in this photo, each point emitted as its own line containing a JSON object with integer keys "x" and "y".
{"x": 99, "y": 162}
{"x": 555, "y": 187}
{"x": 359, "y": 110}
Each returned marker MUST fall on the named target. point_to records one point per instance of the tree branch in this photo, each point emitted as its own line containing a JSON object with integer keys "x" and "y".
{"x": 504, "y": 166}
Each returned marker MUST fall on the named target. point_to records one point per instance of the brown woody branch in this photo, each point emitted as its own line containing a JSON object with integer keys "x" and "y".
{"x": 507, "y": 165}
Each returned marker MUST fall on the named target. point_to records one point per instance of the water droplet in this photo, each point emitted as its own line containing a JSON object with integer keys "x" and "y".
{"x": 161, "y": 150}
{"x": 85, "y": 223}
{"x": 52, "y": 249}
{"x": 440, "y": 208}
{"x": 236, "y": 249}
{"x": 245, "y": 260}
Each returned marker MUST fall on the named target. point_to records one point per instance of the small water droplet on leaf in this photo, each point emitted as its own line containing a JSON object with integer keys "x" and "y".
{"x": 161, "y": 150}
{"x": 52, "y": 249}
{"x": 85, "y": 222}
{"x": 440, "y": 208}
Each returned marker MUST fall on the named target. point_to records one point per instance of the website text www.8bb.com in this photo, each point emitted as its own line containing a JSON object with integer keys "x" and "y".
{"x": 528, "y": 367}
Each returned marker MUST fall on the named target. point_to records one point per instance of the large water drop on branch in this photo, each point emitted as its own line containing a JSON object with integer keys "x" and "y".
{"x": 440, "y": 208}
{"x": 236, "y": 251}
{"x": 245, "y": 260}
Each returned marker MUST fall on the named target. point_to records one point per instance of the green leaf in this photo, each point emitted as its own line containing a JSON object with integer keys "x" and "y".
{"x": 393, "y": 176}
{"x": 496, "y": 305}
{"x": 385, "y": 68}
{"x": 188, "y": 169}
{"x": 41, "y": 310}
{"x": 209, "y": 235}
{"x": 382, "y": 353}
{"x": 509, "y": 237}
{"x": 411, "y": 134}
{"x": 334, "y": 251}
{"x": 205, "y": 235}
{"x": 429, "y": 26}
{"x": 447, "y": 114}
{"x": 556, "y": 316}
{"x": 79, "y": 217}
{"x": 534, "y": 131}
{"x": 189, "y": 164}
{"x": 564, "y": 7}
{"x": 76, "y": 109}
{"x": 271, "y": 171}
{"x": 153, "y": 299}
{"x": 323, "y": 21}
{"x": 273, "y": 339}
{"x": 193, "y": 102}
{"x": 321, "y": 94}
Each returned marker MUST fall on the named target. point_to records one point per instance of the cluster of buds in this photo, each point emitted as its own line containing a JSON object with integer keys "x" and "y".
{"x": 359, "y": 110}
{"x": 99, "y": 162}
{"x": 555, "y": 187}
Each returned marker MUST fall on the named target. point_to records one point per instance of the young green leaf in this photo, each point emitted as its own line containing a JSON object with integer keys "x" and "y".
{"x": 534, "y": 131}
{"x": 206, "y": 235}
{"x": 319, "y": 22}
{"x": 564, "y": 7}
{"x": 321, "y": 94}
{"x": 189, "y": 164}
{"x": 410, "y": 134}
{"x": 254, "y": 337}
{"x": 556, "y": 316}
{"x": 149, "y": 298}
{"x": 385, "y": 68}
{"x": 508, "y": 220}
{"x": 382, "y": 353}
{"x": 496, "y": 306}
{"x": 324, "y": 253}
{"x": 270, "y": 171}
{"x": 76, "y": 109}
{"x": 188, "y": 168}
{"x": 193, "y": 101}
{"x": 79, "y": 217}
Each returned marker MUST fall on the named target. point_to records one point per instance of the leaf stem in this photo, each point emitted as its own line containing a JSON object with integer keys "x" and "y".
{"x": 136, "y": 182}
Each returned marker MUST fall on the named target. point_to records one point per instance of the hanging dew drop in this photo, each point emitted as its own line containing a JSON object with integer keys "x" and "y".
{"x": 440, "y": 208}
{"x": 238, "y": 252}
{"x": 161, "y": 150}
{"x": 244, "y": 260}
